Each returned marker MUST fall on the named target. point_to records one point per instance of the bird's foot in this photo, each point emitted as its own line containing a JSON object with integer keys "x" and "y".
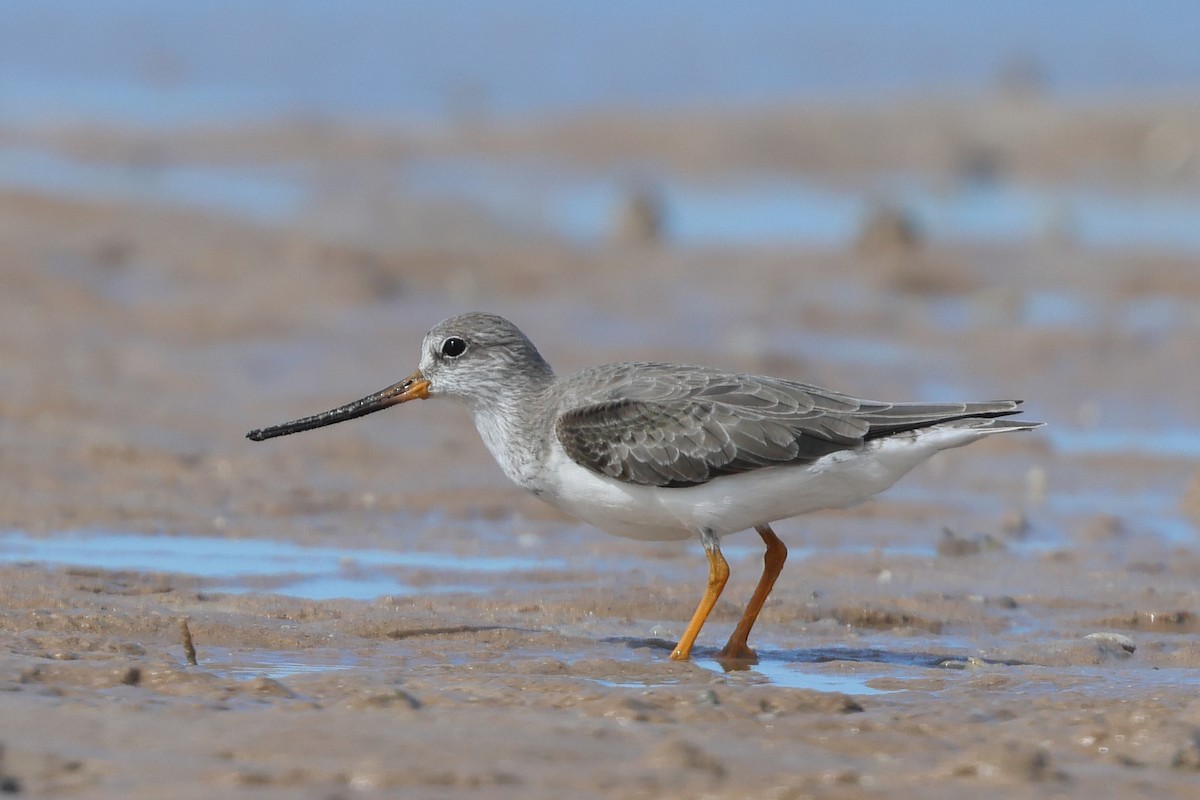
{"x": 681, "y": 654}
{"x": 735, "y": 653}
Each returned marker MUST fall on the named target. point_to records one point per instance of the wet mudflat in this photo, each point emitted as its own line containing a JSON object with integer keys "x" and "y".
{"x": 375, "y": 610}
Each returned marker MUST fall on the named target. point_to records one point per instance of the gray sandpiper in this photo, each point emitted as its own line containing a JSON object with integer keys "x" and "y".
{"x": 658, "y": 451}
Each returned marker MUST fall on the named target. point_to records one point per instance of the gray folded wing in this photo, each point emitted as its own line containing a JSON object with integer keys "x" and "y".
{"x": 672, "y": 427}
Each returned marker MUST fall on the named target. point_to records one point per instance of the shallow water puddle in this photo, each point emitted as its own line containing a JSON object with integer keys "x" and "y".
{"x": 794, "y": 676}
{"x": 268, "y": 195}
{"x": 245, "y": 665}
{"x": 742, "y": 208}
{"x": 748, "y": 207}
{"x": 243, "y": 565}
{"x": 776, "y": 674}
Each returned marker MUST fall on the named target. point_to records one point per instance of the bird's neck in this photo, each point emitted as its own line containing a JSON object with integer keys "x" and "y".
{"x": 512, "y": 425}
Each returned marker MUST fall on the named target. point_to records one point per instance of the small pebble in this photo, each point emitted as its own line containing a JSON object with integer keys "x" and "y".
{"x": 678, "y": 754}
{"x": 269, "y": 687}
{"x": 1014, "y": 523}
{"x": 1109, "y": 639}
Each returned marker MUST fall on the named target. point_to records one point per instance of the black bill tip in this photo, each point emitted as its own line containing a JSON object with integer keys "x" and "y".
{"x": 414, "y": 387}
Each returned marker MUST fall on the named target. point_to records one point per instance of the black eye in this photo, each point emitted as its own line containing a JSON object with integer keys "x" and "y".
{"x": 453, "y": 347}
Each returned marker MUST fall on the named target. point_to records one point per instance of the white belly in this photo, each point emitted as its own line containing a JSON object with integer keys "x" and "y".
{"x": 733, "y": 503}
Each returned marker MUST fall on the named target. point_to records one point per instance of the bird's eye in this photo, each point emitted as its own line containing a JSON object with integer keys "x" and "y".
{"x": 453, "y": 347}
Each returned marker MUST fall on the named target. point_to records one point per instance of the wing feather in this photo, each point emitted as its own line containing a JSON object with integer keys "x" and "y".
{"x": 662, "y": 425}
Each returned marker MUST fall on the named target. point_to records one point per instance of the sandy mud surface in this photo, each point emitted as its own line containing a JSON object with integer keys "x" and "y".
{"x": 375, "y": 612}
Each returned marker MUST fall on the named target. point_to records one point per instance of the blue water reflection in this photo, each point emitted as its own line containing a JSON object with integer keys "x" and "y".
{"x": 313, "y": 572}
{"x": 581, "y": 206}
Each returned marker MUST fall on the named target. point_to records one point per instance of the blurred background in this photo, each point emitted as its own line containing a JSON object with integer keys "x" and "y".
{"x": 704, "y": 124}
{"x": 223, "y": 214}
{"x": 219, "y": 215}
{"x": 143, "y": 63}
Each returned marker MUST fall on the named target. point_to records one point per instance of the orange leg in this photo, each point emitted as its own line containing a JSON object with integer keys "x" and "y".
{"x": 736, "y": 647}
{"x": 718, "y": 575}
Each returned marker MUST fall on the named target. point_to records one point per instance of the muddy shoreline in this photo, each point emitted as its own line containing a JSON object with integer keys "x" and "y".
{"x": 1016, "y": 618}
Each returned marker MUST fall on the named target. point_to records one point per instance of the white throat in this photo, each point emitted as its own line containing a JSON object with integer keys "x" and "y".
{"x": 506, "y": 432}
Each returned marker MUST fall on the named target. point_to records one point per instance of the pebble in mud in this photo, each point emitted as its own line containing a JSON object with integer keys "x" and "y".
{"x": 1101, "y": 528}
{"x": 631, "y": 709}
{"x": 674, "y": 754}
{"x": 952, "y": 545}
{"x": 269, "y": 687}
{"x": 8, "y": 783}
{"x": 1095, "y": 649}
{"x": 396, "y": 699}
{"x": 1015, "y": 524}
{"x": 1116, "y": 643}
{"x": 1101, "y": 648}
{"x": 1010, "y": 761}
{"x": 641, "y": 219}
{"x": 128, "y": 676}
{"x": 772, "y": 701}
{"x": 888, "y": 232}
{"x": 1188, "y": 756}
